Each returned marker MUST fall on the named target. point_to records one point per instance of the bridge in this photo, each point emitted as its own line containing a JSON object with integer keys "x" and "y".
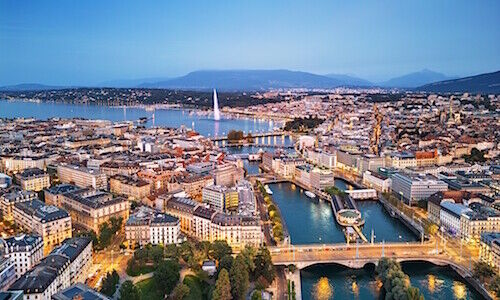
{"x": 362, "y": 194}
{"x": 355, "y": 255}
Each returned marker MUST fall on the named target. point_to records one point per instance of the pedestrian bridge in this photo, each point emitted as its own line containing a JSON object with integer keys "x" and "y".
{"x": 362, "y": 194}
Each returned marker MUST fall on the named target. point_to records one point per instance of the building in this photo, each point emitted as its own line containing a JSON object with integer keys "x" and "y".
{"x": 402, "y": 160}
{"x": 206, "y": 224}
{"x": 134, "y": 189}
{"x": 7, "y": 272}
{"x": 201, "y": 168}
{"x": 246, "y": 199}
{"x": 8, "y": 200}
{"x": 450, "y": 216}
{"x": 33, "y": 179}
{"x": 82, "y": 177}
{"x": 78, "y": 251}
{"x": 53, "y": 224}
{"x": 478, "y": 220}
{"x": 227, "y": 175}
{"x": 489, "y": 250}
{"x": 5, "y": 181}
{"x": 434, "y": 203}
{"x": 414, "y": 187}
{"x": 148, "y": 226}
{"x": 11, "y": 295}
{"x": 90, "y": 208}
{"x": 321, "y": 179}
{"x": 54, "y": 195}
{"x": 47, "y": 278}
{"x": 220, "y": 198}
{"x": 377, "y": 181}
{"x": 26, "y": 250}
{"x": 193, "y": 185}
{"x": 78, "y": 291}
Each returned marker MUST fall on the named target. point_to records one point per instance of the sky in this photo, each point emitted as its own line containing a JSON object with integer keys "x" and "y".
{"x": 87, "y": 42}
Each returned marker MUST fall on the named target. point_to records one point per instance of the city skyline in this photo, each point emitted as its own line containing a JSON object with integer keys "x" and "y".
{"x": 88, "y": 43}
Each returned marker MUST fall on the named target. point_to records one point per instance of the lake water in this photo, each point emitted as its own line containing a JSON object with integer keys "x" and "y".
{"x": 205, "y": 125}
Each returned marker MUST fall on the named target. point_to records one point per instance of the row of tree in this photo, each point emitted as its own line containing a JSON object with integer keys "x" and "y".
{"x": 274, "y": 214}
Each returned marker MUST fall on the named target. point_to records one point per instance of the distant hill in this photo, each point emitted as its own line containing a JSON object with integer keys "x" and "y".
{"x": 482, "y": 83}
{"x": 415, "y": 79}
{"x": 247, "y": 80}
{"x": 130, "y": 83}
{"x": 348, "y": 80}
{"x": 30, "y": 87}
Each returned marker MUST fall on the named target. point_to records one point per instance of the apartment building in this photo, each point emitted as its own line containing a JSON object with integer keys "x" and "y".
{"x": 227, "y": 175}
{"x": 489, "y": 249}
{"x": 33, "y": 179}
{"x": 53, "y": 224}
{"x": 78, "y": 251}
{"x": 377, "y": 181}
{"x": 220, "y": 198}
{"x": 134, "y": 189}
{"x": 7, "y": 272}
{"x": 478, "y": 220}
{"x": 193, "y": 185}
{"x": 9, "y": 199}
{"x": 90, "y": 208}
{"x": 26, "y": 250}
{"x": 54, "y": 195}
{"x": 82, "y": 176}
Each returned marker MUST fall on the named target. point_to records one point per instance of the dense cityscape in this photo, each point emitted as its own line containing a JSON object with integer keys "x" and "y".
{"x": 250, "y": 150}
{"x": 130, "y": 208}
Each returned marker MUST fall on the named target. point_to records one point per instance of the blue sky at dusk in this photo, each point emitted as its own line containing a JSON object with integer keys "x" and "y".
{"x": 86, "y": 42}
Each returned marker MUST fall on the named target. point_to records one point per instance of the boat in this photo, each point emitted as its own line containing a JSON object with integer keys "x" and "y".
{"x": 268, "y": 190}
{"x": 310, "y": 194}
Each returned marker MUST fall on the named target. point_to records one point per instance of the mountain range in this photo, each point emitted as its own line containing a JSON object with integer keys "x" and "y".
{"x": 254, "y": 80}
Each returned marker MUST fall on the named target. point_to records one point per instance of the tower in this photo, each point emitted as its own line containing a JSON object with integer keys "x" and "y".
{"x": 216, "y": 107}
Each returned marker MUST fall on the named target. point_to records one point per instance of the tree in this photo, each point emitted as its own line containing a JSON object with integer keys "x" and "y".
{"x": 156, "y": 254}
{"x": 167, "y": 275}
{"x": 226, "y": 262}
{"x": 483, "y": 270}
{"x": 219, "y": 249}
{"x": 495, "y": 286}
{"x": 413, "y": 293}
{"x": 128, "y": 291}
{"x": 239, "y": 278}
{"x": 180, "y": 291}
{"x": 222, "y": 287}
{"x": 264, "y": 266}
{"x": 105, "y": 235}
{"x": 109, "y": 283}
{"x": 249, "y": 254}
{"x": 234, "y": 135}
{"x": 256, "y": 295}
{"x": 172, "y": 251}
{"x": 115, "y": 224}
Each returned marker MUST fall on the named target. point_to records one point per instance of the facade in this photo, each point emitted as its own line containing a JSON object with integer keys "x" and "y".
{"x": 478, "y": 220}
{"x": 220, "y": 198}
{"x": 489, "y": 250}
{"x": 26, "y": 250}
{"x": 54, "y": 195}
{"x": 203, "y": 223}
{"x": 414, "y": 187}
{"x": 90, "y": 208}
{"x": 47, "y": 278}
{"x": 134, "y": 189}
{"x": 450, "y": 215}
{"x": 227, "y": 175}
{"x": 78, "y": 251}
{"x": 33, "y": 179}
{"x": 7, "y": 272}
{"x": 82, "y": 177}
{"x": 377, "y": 181}
{"x": 8, "y": 200}
{"x": 401, "y": 160}
{"x": 53, "y": 224}
{"x": 193, "y": 185}
{"x": 321, "y": 179}
{"x": 148, "y": 226}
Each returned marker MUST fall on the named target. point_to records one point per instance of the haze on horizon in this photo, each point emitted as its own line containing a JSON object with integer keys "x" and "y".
{"x": 88, "y": 42}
